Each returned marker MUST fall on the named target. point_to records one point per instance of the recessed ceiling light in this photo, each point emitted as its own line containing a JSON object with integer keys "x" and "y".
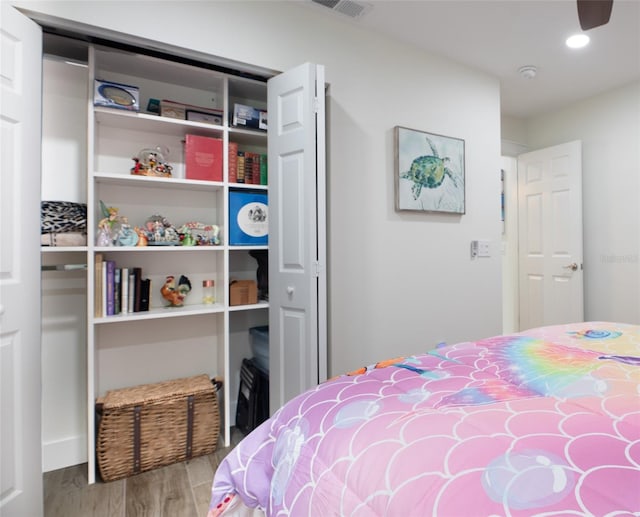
{"x": 577, "y": 41}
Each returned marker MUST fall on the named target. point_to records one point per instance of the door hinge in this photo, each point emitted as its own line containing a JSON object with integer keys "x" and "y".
{"x": 316, "y": 269}
{"x": 316, "y": 105}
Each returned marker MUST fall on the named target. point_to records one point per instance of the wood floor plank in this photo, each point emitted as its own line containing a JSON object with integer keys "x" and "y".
{"x": 98, "y": 500}
{"x": 177, "y": 490}
{"x": 161, "y": 492}
{"x": 199, "y": 471}
{"x": 202, "y": 498}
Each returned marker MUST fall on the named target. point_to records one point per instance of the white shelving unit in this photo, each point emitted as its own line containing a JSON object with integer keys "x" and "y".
{"x": 163, "y": 343}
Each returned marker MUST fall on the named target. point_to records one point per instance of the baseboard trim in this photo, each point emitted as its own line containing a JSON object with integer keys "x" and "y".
{"x": 64, "y": 453}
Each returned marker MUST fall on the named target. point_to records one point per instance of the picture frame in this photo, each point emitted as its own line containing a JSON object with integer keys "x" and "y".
{"x": 429, "y": 172}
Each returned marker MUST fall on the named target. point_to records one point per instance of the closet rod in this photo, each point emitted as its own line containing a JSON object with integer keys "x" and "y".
{"x": 64, "y": 267}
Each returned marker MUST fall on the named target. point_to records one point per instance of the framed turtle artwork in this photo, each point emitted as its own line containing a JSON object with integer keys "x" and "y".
{"x": 429, "y": 172}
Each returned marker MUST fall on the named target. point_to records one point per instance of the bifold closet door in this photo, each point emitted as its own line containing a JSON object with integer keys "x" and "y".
{"x": 297, "y": 272}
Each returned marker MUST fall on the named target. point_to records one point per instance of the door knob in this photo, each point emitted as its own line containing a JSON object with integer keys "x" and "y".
{"x": 290, "y": 290}
{"x": 573, "y": 266}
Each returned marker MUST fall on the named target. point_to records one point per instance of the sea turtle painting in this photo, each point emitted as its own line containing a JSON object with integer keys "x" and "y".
{"x": 428, "y": 171}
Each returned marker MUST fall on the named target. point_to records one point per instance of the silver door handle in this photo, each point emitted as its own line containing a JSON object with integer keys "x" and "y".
{"x": 573, "y": 267}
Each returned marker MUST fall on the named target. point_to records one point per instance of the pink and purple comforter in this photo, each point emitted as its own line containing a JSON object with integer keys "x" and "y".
{"x": 545, "y": 422}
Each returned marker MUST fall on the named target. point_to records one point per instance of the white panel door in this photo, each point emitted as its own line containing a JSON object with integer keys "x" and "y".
{"x": 550, "y": 236}
{"x": 297, "y": 300}
{"x": 20, "y": 397}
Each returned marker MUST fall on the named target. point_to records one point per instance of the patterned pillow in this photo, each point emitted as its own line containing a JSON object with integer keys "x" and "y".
{"x": 63, "y": 216}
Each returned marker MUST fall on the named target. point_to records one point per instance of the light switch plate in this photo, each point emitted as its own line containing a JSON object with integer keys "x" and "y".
{"x": 483, "y": 249}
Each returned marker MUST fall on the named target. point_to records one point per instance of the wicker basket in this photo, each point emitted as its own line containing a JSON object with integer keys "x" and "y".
{"x": 152, "y": 425}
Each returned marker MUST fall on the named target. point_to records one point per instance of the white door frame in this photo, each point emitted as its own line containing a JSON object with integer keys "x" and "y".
{"x": 510, "y": 291}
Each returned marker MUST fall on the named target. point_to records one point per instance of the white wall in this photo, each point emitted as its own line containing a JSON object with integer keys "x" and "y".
{"x": 513, "y": 132}
{"x": 398, "y": 282}
{"x": 609, "y": 127}
{"x": 64, "y": 328}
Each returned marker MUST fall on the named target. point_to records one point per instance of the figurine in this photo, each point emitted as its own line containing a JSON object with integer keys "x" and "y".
{"x": 127, "y": 236}
{"x": 175, "y": 294}
{"x": 188, "y": 239}
{"x": 151, "y": 162}
{"x": 108, "y": 226}
{"x": 109, "y": 214}
{"x": 160, "y": 232}
{"x": 201, "y": 234}
{"x": 142, "y": 236}
{"x": 214, "y": 232}
{"x": 103, "y": 238}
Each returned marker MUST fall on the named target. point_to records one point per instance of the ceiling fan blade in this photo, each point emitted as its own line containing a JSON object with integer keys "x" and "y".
{"x": 593, "y": 13}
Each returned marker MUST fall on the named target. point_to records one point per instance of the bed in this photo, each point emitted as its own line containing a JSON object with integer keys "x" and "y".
{"x": 543, "y": 422}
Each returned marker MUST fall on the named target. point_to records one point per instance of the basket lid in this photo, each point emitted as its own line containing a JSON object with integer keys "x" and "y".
{"x": 155, "y": 392}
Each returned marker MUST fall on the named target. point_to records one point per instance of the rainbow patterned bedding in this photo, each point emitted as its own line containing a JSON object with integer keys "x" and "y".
{"x": 545, "y": 422}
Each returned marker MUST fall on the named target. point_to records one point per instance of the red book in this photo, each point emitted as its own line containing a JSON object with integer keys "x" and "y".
{"x": 255, "y": 178}
{"x": 203, "y": 158}
{"x": 233, "y": 162}
{"x": 248, "y": 167}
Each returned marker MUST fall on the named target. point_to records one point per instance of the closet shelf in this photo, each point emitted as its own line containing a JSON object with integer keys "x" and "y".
{"x": 163, "y": 249}
{"x": 63, "y": 249}
{"x": 153, "y": 123}
{"x": 64, "y": 267}
{"x": 149, "y": 181}
{"x": 259, "y": 305}
{"x": 162, "y": 313}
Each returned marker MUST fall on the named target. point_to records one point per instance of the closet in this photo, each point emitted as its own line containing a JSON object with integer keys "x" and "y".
{"x": 89, "y": 159}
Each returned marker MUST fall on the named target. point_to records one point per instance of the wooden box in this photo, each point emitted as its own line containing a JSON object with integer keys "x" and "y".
{"x": 152, "y": 425}
{"x": 243, "y": 292}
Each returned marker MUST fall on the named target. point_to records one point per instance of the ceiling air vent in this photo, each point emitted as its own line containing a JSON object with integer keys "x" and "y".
{"x": 346, "y": 7}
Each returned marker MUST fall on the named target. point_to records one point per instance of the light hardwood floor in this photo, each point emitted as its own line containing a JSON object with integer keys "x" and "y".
{"x": 178, "y": 490}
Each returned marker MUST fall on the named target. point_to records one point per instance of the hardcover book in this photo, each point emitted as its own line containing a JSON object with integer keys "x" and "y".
{"x": 248, "y": 218}
{"x": 233, "y": 162}
{"x": 124, "y": 302}
{"x": 145, "y": 293}
{"x": 256, "y": 169}
{"x": 117, "y": 291}
{"x": 132, "y": 292}
{"x": 264, "y": 178}
{"x": 248, "y": 167}
{"x": 252, "y": 168}
{"x": 240, "y": 167}
{"x": 111, "y": 288}
{"x": 203, "y": 158}
{"x": 99, "y": 263}
{"x": 103, "y": 290}
{"x": 137, "y": 280}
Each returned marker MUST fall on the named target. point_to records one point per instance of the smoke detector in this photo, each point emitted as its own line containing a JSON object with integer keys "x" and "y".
{"x": 528, "y": 71}
{"x": 346, "y": 7}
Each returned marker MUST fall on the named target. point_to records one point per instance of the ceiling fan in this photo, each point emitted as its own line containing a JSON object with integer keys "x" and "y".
{"x": 593, "y": 13}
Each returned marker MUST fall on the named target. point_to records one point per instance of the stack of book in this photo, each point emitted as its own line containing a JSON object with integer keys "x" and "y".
{"x": 119, "y": 290}
{"x": 247, "y": 167}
